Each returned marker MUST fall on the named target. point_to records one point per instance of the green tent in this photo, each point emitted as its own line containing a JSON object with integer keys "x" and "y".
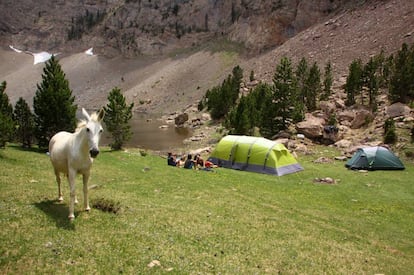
{"x": 374, "y": 158}
{"x": 254, "y": 154}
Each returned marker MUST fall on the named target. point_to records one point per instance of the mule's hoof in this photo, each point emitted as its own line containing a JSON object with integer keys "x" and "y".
{"x": 87, "y": 209}
{"x": 71, "y": 217}
{"x": 76, "y": 202}
{"x": 60, "y": 199}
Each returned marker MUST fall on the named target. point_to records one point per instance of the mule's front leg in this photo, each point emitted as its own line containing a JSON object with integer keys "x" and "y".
{"x": 76, "y": 198}
{"x": 85, "y": 191}
{"x": 71, "y": 178}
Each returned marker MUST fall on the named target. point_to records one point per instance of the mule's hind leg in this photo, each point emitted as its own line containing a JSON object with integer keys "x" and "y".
{"x": 85, "y": 191}
{"x": 60, "y": 195}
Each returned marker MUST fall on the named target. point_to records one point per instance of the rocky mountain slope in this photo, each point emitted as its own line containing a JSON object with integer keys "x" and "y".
{"x": 153, "y": 27}
{"x": 162, "y": 84}
{"x": 337, "y": 32}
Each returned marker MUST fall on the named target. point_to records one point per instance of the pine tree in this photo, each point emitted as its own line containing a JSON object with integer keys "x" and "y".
{"x": 53, "y": 104}
{"x": 302, "y": 72}
{"x": 284, "y": 93}
{"x": 216, "y": 103}
{"x": 371, "y": 81}
{"x": 221, "y": 99}
{"x": 239, "y": 118}
{"x": 236, "y": 80}
{"x": 268, "y": 114}
{"x": 386, "y": 71}
{"x": 381, "y": 64}
{"x": 353, "y": 83}
{"x": 327, "y": 82}
{"x": 401, "y": 80}
{"x": 313, "y": 87}
{"x": 258, "y": 102}
{"x": 251, "y": 112}
{"x": 6, "y": 116}
{"x": 251, "y": 77}
{"x": 24, "y": 122}
{"x": 117, "y": 117}
{"x": 227, "y": 96}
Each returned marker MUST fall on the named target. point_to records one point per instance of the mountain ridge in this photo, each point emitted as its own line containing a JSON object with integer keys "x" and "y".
{"x": 164, "y": 84}
{"x": 153, "y": 27}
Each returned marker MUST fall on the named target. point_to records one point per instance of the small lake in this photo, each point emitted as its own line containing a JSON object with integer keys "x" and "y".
{"x": 147, "y": 134}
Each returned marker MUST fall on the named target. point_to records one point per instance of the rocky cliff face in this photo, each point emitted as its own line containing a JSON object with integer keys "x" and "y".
{"x": 153, "y": 27}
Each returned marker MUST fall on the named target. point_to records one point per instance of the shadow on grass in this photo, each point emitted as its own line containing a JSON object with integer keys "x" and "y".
{"x": 56, "y": 211}
{"x": 33, "y": 149}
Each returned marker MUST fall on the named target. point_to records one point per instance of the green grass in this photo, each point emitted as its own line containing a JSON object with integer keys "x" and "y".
{"x": 196, "y": 222}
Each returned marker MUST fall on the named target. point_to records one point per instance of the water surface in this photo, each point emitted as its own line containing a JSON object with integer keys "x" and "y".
{"x": 147, "y": 134}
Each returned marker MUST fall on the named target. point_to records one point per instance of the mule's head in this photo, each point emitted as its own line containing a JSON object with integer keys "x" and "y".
{"x": 93, "y": 129}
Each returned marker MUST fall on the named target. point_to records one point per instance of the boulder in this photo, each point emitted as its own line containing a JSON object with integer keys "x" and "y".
{"x": 299, "y": 147}
{"x": 362, "y": 117}
{"x": 343, "y": 130}
{"x": 327, "y": 107}
{"x": 195, "y": 122}
{"x": 345, "y": 116}
{"x": 340, "y": 103}
{"x": 326, "y": 180}
{"x": 330, "y": 133}
{"x": 205, "y": 116}
{"x": 398, "y": 109}
{"x": 201, "y": 151}
{"x": 283, "y": 141}
{"x": 311, "y": 127}
{"x": 408, "y": 119}
{"x": 281, "y": 135}
{"x": 343, "y": 143}
{"x": 323, "y": 160}
{"x": 181, "y": 119}
{"x": 341, "y": 158}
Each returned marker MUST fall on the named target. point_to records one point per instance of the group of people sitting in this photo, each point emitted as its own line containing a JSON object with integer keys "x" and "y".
{"x": 189, "y": 163}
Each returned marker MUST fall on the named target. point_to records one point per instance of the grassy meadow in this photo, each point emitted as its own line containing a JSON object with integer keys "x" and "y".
{"x": 179, "y": 221}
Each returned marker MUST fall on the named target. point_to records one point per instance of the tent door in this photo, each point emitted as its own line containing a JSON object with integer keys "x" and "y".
{"x": 267, "y": 156}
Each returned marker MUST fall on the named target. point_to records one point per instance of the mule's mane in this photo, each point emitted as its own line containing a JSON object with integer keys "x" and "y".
{"x": 82, "y": 123}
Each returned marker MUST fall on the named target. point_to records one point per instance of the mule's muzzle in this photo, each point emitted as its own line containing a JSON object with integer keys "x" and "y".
{"x": 94, "y": 153}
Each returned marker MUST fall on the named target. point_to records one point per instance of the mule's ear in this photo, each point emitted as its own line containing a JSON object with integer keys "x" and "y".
{"x": 101, "y": 114}
{"x": 85, "y": 114}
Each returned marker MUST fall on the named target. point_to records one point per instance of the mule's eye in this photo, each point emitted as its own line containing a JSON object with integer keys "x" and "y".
{"x": 88, "y": 130}
{"x": 100, "y": 131}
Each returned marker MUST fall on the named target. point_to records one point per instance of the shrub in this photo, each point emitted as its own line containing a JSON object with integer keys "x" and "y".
{"x": 390, "y": 136}
{"x": 412, "y": 134}
{"x": 251, "y": 75}
{"x": 106, "y": 205}
{"x": 409, "y": 154}
{"x": 332, "y": 119}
